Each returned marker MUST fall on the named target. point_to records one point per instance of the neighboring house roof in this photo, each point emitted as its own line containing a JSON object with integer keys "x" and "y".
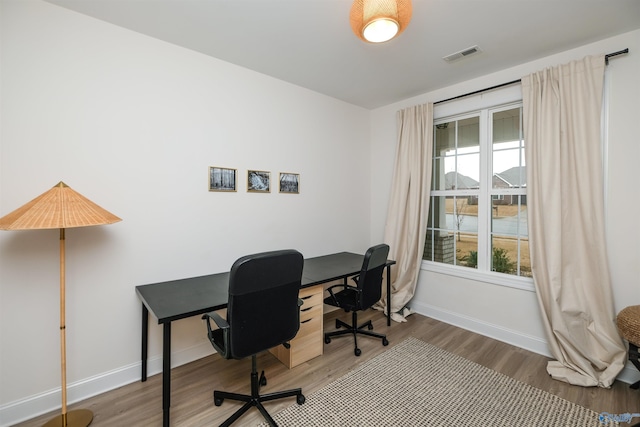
{"x": 463, "y": 182}
{"x": 514, "y": 177}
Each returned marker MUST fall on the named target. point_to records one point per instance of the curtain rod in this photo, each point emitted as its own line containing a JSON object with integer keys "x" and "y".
{"x": 606, "y": 61}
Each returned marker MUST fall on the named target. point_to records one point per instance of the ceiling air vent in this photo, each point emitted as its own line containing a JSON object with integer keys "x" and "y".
{"x": 461, "y": 54}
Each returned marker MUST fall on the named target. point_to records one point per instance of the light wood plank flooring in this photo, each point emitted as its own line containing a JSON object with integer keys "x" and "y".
{"x": 140, "y": 404}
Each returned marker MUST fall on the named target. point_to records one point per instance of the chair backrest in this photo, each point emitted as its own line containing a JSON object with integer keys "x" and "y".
{"x": 263, "y": 309}
{"x": 370, "y": 279}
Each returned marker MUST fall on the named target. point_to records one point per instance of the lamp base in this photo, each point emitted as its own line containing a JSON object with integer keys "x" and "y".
{"x": 77, "y": 418}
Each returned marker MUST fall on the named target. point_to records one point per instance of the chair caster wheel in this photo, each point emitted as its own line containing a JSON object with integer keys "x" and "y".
{"x": 327, "y": 340}
{"x": 300, "y": 399}
{"x": 357, "y": 352}
{"x": 263, "y": 381}
{"x": 337, "y": 324}
{"x": 370, "y": 326}
{"x": 217, "y": 401}
{"x": 385, "y": 342}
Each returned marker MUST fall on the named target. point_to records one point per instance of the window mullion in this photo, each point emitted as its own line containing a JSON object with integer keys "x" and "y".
{"x": 484, "y": 198}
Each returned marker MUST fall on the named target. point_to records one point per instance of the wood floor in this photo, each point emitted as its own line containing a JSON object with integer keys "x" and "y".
{"x": 140, "y": 404}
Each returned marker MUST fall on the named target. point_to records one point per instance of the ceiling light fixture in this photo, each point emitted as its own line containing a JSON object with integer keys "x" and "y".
{"x": 377, "y": 21}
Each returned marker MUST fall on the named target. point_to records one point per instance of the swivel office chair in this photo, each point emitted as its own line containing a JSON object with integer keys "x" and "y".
{"x": 263, "y": 311}
{"x": 367, "y": 292}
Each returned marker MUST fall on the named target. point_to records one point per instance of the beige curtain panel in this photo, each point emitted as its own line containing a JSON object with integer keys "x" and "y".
{"x": 408, "y": 205}
{"x": 562, "y": 111}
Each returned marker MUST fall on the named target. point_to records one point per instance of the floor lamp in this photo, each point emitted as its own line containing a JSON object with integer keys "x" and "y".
{"x": 60, "y": 207}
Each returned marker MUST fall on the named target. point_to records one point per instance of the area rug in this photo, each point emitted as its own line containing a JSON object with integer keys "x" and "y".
{"x": 417, "y": 384}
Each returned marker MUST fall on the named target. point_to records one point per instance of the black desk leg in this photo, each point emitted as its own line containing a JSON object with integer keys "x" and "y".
{"x": 166, "y": 373}
{"x": 145, "y": 341}
{"x": 388, "y": 295}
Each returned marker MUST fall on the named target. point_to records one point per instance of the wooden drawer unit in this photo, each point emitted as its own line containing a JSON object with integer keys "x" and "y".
{"x": 308, "y": 343}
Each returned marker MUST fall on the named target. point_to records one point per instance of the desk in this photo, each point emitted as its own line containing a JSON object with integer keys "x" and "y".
{"x": 179, "y": 299}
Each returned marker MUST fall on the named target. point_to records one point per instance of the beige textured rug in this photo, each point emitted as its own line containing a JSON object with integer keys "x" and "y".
{"x": 418, "y": 384}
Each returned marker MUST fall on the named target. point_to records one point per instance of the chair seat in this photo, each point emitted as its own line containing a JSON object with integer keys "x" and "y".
{"x": 628, "y": 322}
{"x": 346, "y": 299}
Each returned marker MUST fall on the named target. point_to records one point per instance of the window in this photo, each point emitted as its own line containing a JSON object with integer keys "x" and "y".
{"x": 478, "y": 207}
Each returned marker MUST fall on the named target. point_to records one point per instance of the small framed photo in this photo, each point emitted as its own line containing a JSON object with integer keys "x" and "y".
{"x": 289, "y": 183}
{"x": 258, "y": 181}
{"x": 222, "y": 179}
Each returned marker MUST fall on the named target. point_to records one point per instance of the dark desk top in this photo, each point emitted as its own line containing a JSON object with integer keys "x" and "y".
{"x": 326, "y": 268}
{"x": 178, "y": 299}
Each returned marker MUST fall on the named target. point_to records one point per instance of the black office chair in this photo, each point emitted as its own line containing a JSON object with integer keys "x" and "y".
{"x": 263, "y": 311}
{"x": 361, "y": 297}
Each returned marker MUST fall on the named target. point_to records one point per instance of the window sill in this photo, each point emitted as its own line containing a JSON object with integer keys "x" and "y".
{"x": 523, "y": 283}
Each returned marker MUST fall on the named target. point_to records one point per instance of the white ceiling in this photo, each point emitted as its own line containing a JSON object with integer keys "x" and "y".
{"x": 310, "y": 43}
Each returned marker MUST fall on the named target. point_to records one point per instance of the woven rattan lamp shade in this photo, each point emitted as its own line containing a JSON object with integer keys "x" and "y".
{"x": 367, "y": 15}
{"x": 60, "y": 207}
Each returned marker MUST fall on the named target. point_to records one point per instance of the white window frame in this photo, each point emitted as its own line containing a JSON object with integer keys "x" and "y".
{"x": 483, "y": 104}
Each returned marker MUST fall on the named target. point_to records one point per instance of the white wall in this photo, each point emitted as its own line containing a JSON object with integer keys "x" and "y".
{"x": 511, "y": 314}
{"x": 133, "y": 123}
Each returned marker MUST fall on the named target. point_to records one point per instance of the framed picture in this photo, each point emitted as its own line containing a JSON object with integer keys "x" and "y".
{"x": 222, "y": 179}
{"x": 289, "y": 182}
{"x": 258, "y": 181}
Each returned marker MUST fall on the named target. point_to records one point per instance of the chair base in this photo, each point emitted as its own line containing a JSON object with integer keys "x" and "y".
{"x": 255, "y": 399}
{"x": 354, "y": 329}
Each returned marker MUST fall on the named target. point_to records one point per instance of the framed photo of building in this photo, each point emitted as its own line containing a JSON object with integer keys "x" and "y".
{"x": 258, "y": 181}
{"x": 222, "y": 179}
{"x": 289, "y": 183}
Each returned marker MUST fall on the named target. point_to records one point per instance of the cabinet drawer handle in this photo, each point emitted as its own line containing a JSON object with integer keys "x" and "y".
{"x": 307, "y": 297}
{"x": 306, "y": 309}
{"x": 305, "y": 321}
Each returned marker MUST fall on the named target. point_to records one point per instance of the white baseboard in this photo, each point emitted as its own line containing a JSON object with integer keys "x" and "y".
{"x": 535, "y": 344}
{"x": 48, "y": 401}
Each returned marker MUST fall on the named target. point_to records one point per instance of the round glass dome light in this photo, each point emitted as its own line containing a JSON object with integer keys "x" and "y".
{"x": 380, "y": 30}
